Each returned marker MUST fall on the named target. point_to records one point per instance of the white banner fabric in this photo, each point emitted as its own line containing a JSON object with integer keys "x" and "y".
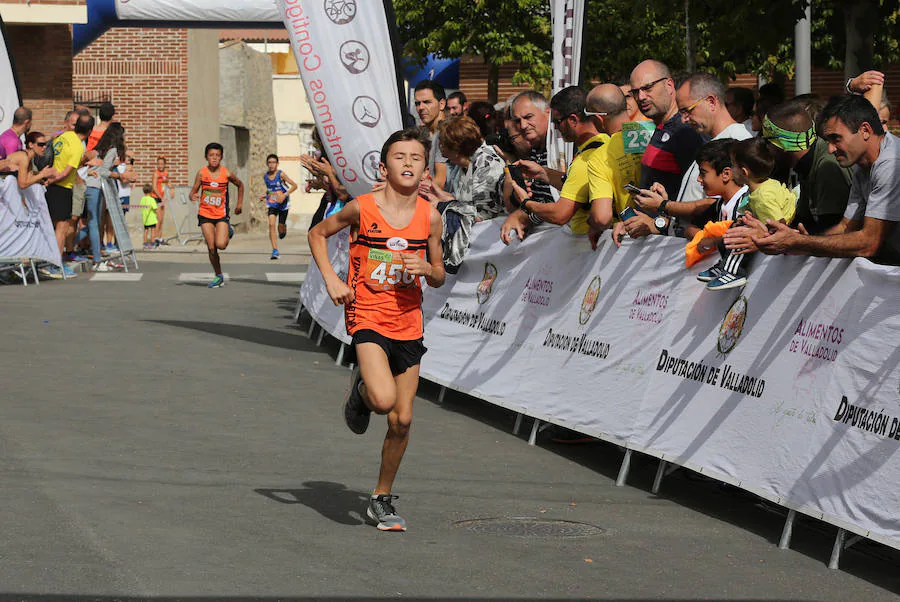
{"x": 239, "y": 11}
{"x": 343, "y": 49}
{"x": 9, "y": 94}
{"x": 567, "y": 24}
{"x": 789, "y": 388}
{"x": 25, "y": 227}
{"x": 314, "y": 296}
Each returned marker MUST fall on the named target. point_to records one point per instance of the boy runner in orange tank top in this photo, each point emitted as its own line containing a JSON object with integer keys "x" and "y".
{"x": 395, "y": 238}
{"x": 210, "y": 191}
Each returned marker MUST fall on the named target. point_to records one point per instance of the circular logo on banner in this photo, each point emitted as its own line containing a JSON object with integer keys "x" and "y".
{"x": 397, "y": 244}
{"x": 370, "y": 163}
{"x": 483, "y": 293}
{"x": 354, "y": 56}
{"x": 340, "y": 12}
{"x": 732, "y": 325}
{"x": 366, "y": 111}
{"x": 589, "y": 302}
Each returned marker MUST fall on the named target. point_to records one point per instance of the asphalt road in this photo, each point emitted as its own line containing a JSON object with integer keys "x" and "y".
{"x": 165, "y": 441}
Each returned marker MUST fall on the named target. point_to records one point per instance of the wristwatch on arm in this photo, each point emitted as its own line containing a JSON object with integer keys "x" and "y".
{"x": 662, "y": 224}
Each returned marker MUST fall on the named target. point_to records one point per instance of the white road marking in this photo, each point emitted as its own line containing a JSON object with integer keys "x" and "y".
{"x": 116, "y": 277}
{"x": 294, "y": 277}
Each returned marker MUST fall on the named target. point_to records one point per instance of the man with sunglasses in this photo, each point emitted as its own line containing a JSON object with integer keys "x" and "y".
{"x": 11, "y": 139}
{"x": 567, "y": 112}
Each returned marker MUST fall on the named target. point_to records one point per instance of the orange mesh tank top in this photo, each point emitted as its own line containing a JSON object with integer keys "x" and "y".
{"x": 388, "y": 299}
{"x": 213, "y": 193}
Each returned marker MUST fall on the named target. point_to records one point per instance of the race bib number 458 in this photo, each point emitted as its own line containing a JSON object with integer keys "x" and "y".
{"x": 213, "y": 197}
{"x": 385, "y": 271}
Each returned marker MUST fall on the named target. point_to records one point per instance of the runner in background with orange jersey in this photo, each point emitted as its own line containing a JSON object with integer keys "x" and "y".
{"x": 210, "y": 190}
{"x": 162, "y": 193}
{"x": 395, "y": 239}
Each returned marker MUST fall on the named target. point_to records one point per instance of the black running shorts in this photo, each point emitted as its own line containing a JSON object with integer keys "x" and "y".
{"x": 401, "y": 355}
{"x": 59, "y": 202}
{"x": 281, "y": 213}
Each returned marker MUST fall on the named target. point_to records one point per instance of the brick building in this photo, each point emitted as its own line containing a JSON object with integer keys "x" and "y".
{"x": 164, "y": 85}
{"x": 40, "y": 43}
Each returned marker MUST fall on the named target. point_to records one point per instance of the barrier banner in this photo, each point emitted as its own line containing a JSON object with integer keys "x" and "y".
{"x": 313, "y": 294}
{"x": 343, "y": 50}
{"x": 789, "y": 387}
{"x": 9, "y": 88}
{"x": 25, "y": 227}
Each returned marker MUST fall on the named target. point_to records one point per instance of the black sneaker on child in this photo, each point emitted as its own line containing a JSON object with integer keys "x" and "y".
{"x": 712, "y": 273}
{"x": 356, "y": 413}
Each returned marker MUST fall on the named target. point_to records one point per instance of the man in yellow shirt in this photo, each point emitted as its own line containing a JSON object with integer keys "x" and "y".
{"x": 611, "y": 168}
{"x": 68, "y": 150}
{"x": 567, "y": 111}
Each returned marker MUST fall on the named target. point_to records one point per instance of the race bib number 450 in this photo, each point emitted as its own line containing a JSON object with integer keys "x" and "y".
{"x": 385, "y": 271}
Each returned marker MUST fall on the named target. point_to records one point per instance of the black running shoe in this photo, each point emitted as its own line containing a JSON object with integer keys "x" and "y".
{"x": 356, "y": 414}
{"x": 382, "y": 511}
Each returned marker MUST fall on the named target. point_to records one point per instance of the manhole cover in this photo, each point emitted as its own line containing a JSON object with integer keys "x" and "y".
{"x": 529, "y": 527}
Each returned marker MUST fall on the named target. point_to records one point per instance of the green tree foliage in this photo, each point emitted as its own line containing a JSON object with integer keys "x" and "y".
{"x": 754, "y": 36}
{"x": 499, "y": 31}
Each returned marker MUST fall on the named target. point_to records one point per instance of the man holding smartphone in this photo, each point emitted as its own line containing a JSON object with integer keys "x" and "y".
{"x": 567, "y": 111}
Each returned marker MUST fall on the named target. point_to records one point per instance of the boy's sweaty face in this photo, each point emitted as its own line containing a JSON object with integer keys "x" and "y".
{"x": 214, "y": 157}
{"x": 405, "y": 164}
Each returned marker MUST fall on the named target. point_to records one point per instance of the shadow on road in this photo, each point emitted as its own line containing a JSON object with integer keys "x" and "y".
{"x": 251, "y": 334}
{"x": 332, "y": 500}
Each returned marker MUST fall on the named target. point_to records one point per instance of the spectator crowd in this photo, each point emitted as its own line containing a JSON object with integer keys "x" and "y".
{"x": 68, "y": 169}
{"x": 732, "y": 171}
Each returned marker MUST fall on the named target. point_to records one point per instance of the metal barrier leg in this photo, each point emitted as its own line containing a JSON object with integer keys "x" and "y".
{"x": 441, "y": 394}
{"x": 23, "y": 274}
{"x": 518, "y": 423}
{"x": 340, "y": 356}
{"x": 34, "y": 272}
{"x": 532, "y": 439}
{"x": 321, "y": 337}
{"x": 836, "y": 549}
{"x": 312, "y": 328}
{"x": 785, "y": 542}
{"x": 660, "y": 473}
{"x": 623, "y": 470}
{"x": 298, "y": 312}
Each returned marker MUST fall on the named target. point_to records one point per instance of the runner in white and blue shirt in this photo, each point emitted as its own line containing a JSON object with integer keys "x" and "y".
{"x": 278, "y": 189}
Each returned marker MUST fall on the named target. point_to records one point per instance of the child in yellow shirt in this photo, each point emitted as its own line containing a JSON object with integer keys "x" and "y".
{"x": 752, "y": 164}
{"x": 148, "y": 213}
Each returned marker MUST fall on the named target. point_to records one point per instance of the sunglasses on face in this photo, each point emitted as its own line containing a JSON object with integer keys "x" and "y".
{"x": 557, "y": 120}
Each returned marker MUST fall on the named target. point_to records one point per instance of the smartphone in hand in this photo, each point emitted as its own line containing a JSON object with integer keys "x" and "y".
{"x": 628, "y": 214}
{"x": 632, "y": 188}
